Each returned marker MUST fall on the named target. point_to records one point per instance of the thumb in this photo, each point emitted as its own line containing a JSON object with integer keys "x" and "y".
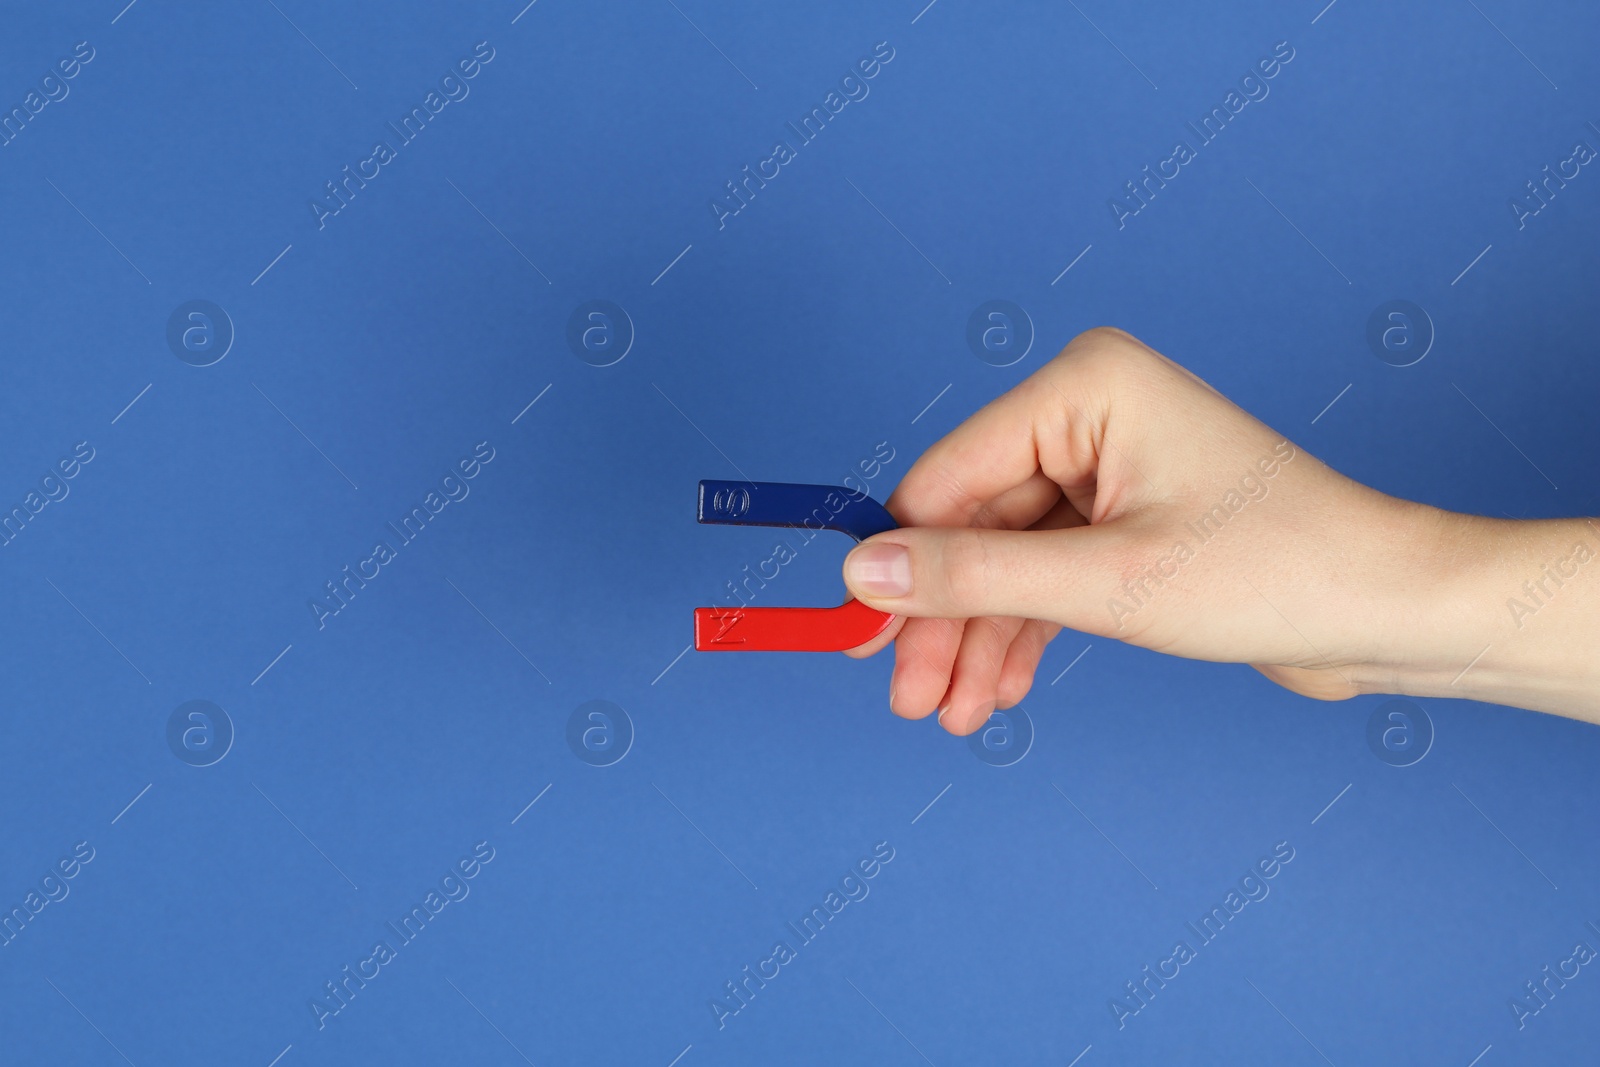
{"x": 964, "y": 573}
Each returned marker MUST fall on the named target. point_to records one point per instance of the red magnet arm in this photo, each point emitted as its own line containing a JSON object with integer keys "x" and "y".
{"x": 788, "y": 629}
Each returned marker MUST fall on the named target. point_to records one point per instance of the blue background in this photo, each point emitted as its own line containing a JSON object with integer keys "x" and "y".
{"x": 824, "y": 318}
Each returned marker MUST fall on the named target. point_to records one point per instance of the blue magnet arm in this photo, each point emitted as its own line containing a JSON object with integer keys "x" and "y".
{"x": 817, "y": 507}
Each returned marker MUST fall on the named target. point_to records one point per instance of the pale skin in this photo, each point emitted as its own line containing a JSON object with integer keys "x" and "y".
{"x": 1115, "y": 493}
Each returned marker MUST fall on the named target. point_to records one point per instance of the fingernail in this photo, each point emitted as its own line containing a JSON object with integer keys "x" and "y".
{"x": 879, "y": 570}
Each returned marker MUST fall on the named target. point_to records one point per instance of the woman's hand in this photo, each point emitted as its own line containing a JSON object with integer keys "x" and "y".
{"x": 1115, "y": 493}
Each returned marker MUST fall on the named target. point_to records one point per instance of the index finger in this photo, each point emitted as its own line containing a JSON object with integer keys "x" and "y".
{"x": 1006, "y": 465}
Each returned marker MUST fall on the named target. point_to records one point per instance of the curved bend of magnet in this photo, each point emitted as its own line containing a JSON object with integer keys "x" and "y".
{"x": 812, "y": 507}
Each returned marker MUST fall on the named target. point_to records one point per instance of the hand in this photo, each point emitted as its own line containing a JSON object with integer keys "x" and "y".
{"x": 1115, "y": 493}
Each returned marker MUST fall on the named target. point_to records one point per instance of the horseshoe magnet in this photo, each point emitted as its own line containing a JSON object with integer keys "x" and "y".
{"x": 810, "y": 507}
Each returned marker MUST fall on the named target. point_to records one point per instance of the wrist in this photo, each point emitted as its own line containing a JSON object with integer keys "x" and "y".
{"x": 1499, "y": 610}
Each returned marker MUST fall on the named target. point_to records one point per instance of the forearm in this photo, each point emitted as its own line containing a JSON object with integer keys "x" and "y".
{"x": 1511, "y": 615}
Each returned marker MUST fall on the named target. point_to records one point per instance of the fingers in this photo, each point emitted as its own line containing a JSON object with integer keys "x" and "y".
{"x": 952, "y": 483}
{"x": 982, "y": 604}
{"x": 1022, "y": 660}
{"x": 1049, "y": 425}
{"x": 1064, "y": 503}
{"x": 1036, "y": 504}
{"x": 975, "y": 679}
{"x": 964, "y": 573}
{"x": 965, "y": 668}
{"x": 924, "y": 657}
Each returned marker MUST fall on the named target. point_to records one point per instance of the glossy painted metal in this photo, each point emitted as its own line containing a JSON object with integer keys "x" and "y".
{"x": 776, "y": 629}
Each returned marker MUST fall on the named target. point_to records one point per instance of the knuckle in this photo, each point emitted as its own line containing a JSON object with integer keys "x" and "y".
{"x": 1014, "y": 686}
{"x": 1098, "y": 342}
{"x": 1104, "y": 335}
{"x": 1107, "y": 353}
{"x": 967, "y": 568}
{"x": 991, "y": 636}
{"x": 1132, "y": 593}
